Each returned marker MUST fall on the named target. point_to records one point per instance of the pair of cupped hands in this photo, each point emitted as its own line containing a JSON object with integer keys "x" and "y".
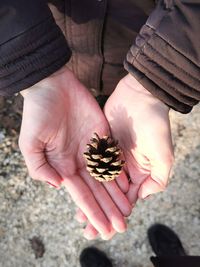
{"x": 59, "y": 118}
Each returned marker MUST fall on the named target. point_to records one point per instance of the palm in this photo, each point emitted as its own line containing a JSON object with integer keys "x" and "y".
{"x": 74, "y": 125}
{"x": 60, "y": 125}
{"x": 140, "y": 122}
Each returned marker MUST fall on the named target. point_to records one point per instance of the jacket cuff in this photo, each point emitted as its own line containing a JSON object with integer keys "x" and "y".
{"x": 168, "y": 73}
{"x": 32, "y": 56}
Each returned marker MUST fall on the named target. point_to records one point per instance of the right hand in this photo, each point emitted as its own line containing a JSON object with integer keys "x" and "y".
{"x": 59, "y": 118}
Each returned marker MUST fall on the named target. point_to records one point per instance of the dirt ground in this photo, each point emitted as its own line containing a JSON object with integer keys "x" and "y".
{"x": 37, "y": 227}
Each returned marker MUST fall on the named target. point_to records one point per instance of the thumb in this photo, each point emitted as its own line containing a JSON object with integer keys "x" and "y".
{"x": 149, "y": 187}
{"x": 39, "y": 168}
{"x": 46, "y": 173}
{"x": 157, "y": 181}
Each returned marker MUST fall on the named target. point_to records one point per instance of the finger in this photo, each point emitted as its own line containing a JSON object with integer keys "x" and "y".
{"x": 84, "y": 198}
{"x": 106, "y": 203}
{"x": 160, "y": 169}
{"x": 40, "y": 169}
{"x": 158, "y": 180}
{"x": 132, "y": 194}
{"x": 37, "y": 164}
{"x": 150, "y": 187}
{"x": 109, "y": 236}
{"x": 118, "y": 197}
{"x": 137, "y": 176}
{"x": 122, "y": 181}
{"x": 80, "y": 216}
{"x": 90, "y": 232}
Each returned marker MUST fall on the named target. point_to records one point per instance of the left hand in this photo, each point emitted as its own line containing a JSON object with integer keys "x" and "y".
{"x": 140, "y": 122}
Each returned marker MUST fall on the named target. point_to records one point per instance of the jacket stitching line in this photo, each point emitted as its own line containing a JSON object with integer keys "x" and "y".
{"x": 194, "y": 90}
{"x": 53, "y": 38}
{"x": 64, "y": 14}
{"x": 153, "y": 74}
{"x": 170, "y": 98}
{"x": 100, "y": 46}
{"x": 32, "y": 53}
{"x": 177, "y": 50}
{"x": 178, "y": 67}
{"x": 140, "y": 49}
{"x": 25, "y": 32}
{"x": 20, "y": 61}
{"x": 151, "y": 27}
{"x": 73, "y": 57}
{"x": 153, "y": 33}
{"x": 33, "y": 72}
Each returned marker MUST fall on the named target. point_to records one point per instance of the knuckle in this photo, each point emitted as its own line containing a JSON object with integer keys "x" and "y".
{"x": 114, "y": 191}
{"x": 98, "y": 189}
{"x": 162, "y": 185}
{"x": 83, "y": 198}
{"x": 22, "y": 147}
{"x": 33, "y": 174}
{"x": 168, "y": 160}
{"x": 96, "y": 213}
{"x": 25, "y": 147}
{"x": 111, "y": 210}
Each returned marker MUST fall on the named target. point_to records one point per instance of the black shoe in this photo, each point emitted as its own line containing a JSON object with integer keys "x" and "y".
{"x": 92, "y": 257}
{"x": 164, "y": 241}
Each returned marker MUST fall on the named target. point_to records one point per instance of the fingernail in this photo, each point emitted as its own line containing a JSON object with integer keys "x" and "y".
{"x": 120, "y": 226}
{"x": 148, "y": 193}
{"x": 146, "y": 197}
{"x": 89, "y": 236}
{"x": 80, "y": 220}
{"x": 104, "y": 237}
{"x": 52, "y": 184}
{"x": 109, "y": 236}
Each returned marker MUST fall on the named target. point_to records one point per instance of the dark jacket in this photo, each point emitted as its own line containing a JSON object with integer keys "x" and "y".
{"x": 93, "y": 38}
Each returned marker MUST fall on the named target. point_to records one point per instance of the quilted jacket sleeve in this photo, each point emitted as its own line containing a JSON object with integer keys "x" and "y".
{"x": 32, "y": 46}
{"x": 165, "y": 58}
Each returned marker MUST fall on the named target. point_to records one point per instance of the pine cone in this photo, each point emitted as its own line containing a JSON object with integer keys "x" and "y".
{"x": 103, "y": 162}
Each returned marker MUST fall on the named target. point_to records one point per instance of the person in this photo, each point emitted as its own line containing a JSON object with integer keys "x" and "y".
{"x": 61, "y": 54}
{"x": 164, "y": 242}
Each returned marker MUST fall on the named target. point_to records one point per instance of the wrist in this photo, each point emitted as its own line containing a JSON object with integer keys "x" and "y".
{"x": 48, "y": 82}
{"x": 135, "y": 85}
{"x": 137, "y": 89}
